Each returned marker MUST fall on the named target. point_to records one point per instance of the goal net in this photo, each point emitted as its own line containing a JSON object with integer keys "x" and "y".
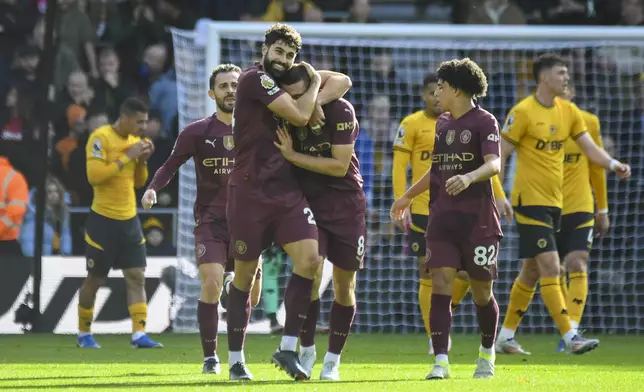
{"x": 387, "y": 64}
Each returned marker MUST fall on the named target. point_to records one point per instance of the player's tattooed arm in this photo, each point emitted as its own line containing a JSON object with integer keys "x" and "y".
{"x": 335, "y": 166}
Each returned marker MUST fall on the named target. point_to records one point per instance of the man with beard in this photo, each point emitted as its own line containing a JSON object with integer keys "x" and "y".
{"x": 210, "y": 142}
{"x": 265, "y": 202}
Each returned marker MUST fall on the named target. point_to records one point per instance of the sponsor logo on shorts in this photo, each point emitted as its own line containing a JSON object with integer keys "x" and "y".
{"x": 90, "y": 263}
{"x": 240, "y": 247}
{"x": 542, "y": 243}
{"x": 201, "y": 250}
{"x": 466, "y": 136}
{"x": 449, "y": 139}
{"x": 229, "y": 142}
{"x": 415, "y": 246}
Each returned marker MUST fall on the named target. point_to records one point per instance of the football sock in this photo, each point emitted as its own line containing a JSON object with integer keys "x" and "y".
{"x": 307, "y": 335}
{"x": 564, "y": 287}
{"x": 208, "y": 319}
{"x": 238, "y": 315}
{"x": 520, "y": 298}
{"x": 425, "y": 302}
{"x": 577, "y": 295}
{"x": 340, "y": 321}
{"x": 488, "y": 317}
{"x": 330, "y": 357}
{"x": 235, "y": 357}
{"x": 554, "y": 301}
{"x": 297, "y": 299}
{"x": 440, "y": 319}
{"x": 85, "y": 320}
{"x": 139, "y": 315}
{"x": 460, "y": 289}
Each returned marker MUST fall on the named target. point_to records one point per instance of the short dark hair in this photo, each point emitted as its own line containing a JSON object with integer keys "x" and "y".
{"x": 285, "y": 33}
{"x": 294, "y": 75}
{"x": 545, "y": 62}
{"x": 430, "y": 78}
{"x": 132, "y": 106}
{"x": 221, "y": 68}
{"x": 464, "y": 75}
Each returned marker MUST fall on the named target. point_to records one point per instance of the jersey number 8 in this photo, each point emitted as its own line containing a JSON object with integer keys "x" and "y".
{"x": 484, "y": 256}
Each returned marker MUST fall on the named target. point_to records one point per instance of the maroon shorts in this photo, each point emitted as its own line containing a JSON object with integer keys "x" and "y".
{"x": 212, "y": 244}
{"x": 256, "y": 222}
{"x": 340, "y": 217}
{"x": 478, "y": 258}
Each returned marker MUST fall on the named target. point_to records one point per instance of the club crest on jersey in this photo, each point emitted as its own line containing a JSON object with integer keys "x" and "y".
{"x": 466, "y": 136}
{"x": 301, "y": 133}
{"x": 229, "y": 142}
{"x": 449, "y": 139}
{"x": 553, "y": 129}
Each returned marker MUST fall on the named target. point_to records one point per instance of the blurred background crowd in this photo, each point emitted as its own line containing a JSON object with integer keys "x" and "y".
{"x": 107, "y": 50}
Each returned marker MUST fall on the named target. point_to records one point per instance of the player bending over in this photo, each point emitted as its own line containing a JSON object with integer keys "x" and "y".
{"x": 265, "y": 202}
{"x": 538, "y": 127}
{"x": 116, "y": 164}
{"x": 210, "y": 142}
{"x": 463, "y": 230}
{"x": 329, "y": 175}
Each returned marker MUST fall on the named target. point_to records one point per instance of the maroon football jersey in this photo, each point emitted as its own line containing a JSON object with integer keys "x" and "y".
{"x": 460, "y": 147}
{"x": 260, "y": 166}
{"x": 340, "y": 127}
{"x": 210, "y": 142}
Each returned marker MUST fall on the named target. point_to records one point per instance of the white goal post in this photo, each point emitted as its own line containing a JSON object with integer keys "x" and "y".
{"x": 386, "y": 62}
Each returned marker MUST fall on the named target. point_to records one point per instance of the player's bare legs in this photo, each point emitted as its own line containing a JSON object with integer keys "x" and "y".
{"x": 297, "y": 299}
{"x": 86, "y": 299}
{"x": 308, "y": 355}
{"x": 487, "y": 313}
{"x": 211, "y": 276}
{"x": 239, "y": 307}
{"x": 137, "y": 306}
{"x": 440, "y": 319}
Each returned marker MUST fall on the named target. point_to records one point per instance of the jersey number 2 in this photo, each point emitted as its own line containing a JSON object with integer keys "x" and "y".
{"x": 309, "y": 215}
{"x": 484, "y": 256}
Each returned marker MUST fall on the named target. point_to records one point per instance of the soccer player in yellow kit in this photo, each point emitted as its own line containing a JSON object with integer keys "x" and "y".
{"x": 413, "y": 145}
{"x": 537, "y": 128}
{"x": 116, "y": 165}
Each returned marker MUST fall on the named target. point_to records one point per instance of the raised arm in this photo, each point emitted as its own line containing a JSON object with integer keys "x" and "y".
{"x": 600, "y": 157}
{"x": 99, "y": 169}
{"x": 334, "y": 86}
{"x": 297, "y": 112}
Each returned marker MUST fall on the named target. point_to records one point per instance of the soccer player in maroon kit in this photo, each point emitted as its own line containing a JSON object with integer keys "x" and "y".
{"x": 464, "y": 230}
{"x": 265, "y": 202}
{"x": 210, "y": 143}
{"x": 329, "y": 175}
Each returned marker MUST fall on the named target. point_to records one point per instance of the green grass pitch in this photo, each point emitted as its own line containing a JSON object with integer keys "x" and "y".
{"x": 371, "y": 362}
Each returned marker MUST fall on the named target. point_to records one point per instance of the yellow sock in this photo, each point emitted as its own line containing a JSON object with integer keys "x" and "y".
{"x": 460, "y": 289}
{"x": 564, "y": 288}
{"x": 554, "y": 300}
{"x": 425, "y": 302}
{"x": 578, "y": 292}
{"x": 520, "y": 298}
{"x": 139, "y": 314}
{"x": 85, "y": 319}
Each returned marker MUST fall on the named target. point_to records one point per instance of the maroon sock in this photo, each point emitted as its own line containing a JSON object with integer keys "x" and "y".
{"x": 208, "y": 318}
{"x": 340, "y": 321}
{"x": 237, "y": 317}
{"x": 440, "y": 322}
{"x": 297, "y": 298}
{"x": 488, "y": 317}
{"x": 307, "y": 336}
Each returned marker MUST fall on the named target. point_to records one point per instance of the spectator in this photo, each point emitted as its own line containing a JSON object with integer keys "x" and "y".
{"x": 75, "y": 30}
{"x": 632, "y": 12}
{"x": 360, "y": 12}
{"x": 293, "y": 11}
{"x": 25, "y": 75}
{"x": 57, "y": 238}
{"x": 16, "y": 18}
{"x": 163, "y": 86}
{"x": 232, "y": 10}
{"x": 80, "y": 93}
{"x": 155, "y": 242}
{"x": 14, "y": 198}
{"x": 111, "y": 88}
{"x": 65, "y": 61}
{"x": 568, "y": 12}
{"x": 497, "y": 12}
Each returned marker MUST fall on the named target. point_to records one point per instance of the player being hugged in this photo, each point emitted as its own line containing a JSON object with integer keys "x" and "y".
{"x": 329, "y": 175}
{"x": 210, "y": 142}
{"x": 265, "y": 202}
{"x": 116, "y": 165}
{"x": 463, "y": 231}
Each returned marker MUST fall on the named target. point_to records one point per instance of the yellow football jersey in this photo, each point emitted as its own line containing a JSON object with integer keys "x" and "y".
{"x": 538, "y": 134}
{"x": 580, "y": 174}
{"x": 414, "y": 143}
{"x": 114, "y": 195}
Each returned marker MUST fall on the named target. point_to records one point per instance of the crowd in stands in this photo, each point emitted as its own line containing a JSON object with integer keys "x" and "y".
{"x": 107, "y": 50}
